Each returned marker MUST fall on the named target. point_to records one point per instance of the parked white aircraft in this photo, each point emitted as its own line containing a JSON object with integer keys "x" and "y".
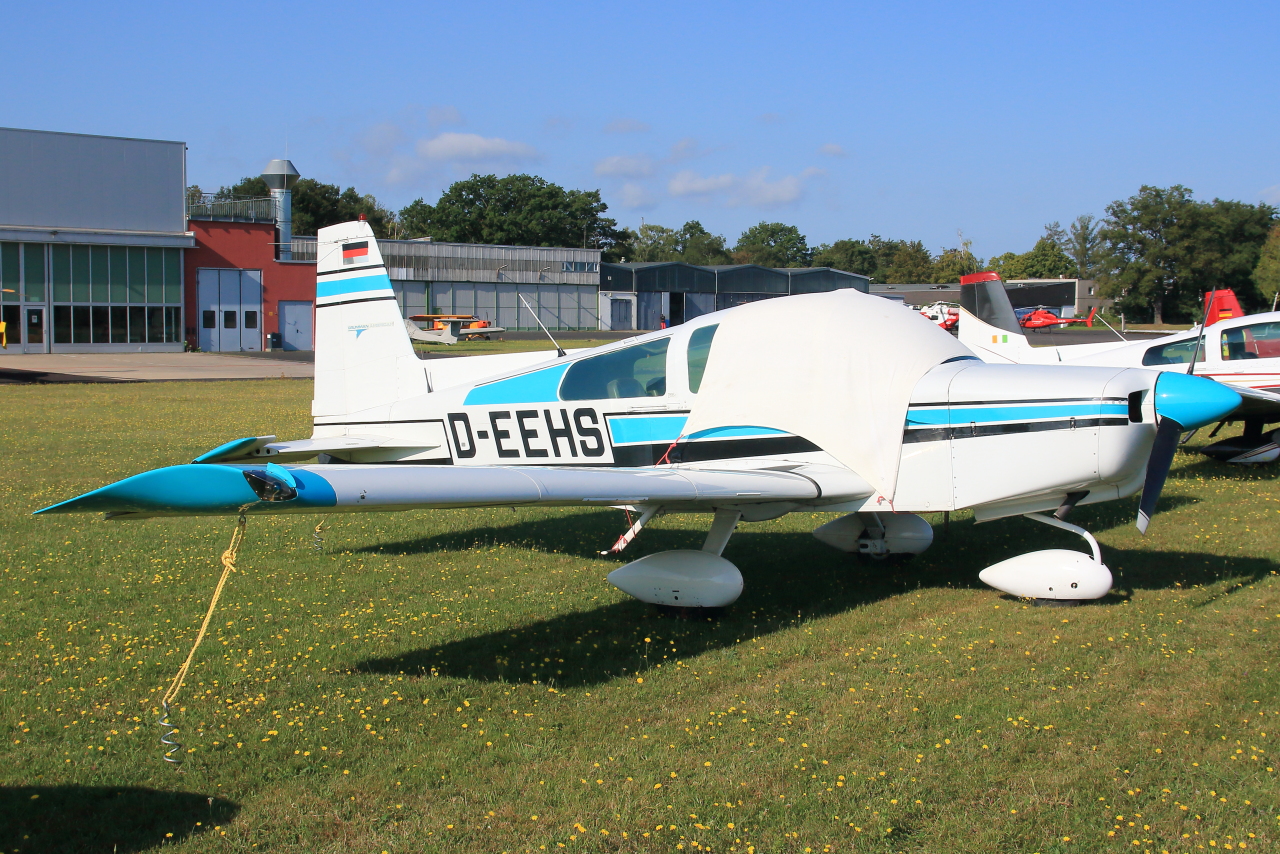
{"x": 1242, "y": 352}
{"x": 875, "y": 413}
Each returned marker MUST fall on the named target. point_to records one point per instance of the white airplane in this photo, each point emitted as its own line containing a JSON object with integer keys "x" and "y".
{"x": 876, "y": 414}
{"x": 1241, "y": 352}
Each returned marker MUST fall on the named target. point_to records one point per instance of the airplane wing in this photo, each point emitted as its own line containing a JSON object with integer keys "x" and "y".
{"x": 1256, "y": 403}
{"x": 218, "y": 488}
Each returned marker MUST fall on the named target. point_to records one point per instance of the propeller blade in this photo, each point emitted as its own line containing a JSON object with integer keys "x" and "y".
{"x": 1162, "y": 451}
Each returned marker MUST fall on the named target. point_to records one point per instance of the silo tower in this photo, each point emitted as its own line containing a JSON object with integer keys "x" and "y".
{"x": 281, "y": 177}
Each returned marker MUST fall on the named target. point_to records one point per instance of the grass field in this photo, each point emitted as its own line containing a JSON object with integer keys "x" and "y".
{"x": 468, "y": 681}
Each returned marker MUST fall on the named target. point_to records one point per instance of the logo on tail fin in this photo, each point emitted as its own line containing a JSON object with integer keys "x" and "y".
{"x": 354, "y": 253}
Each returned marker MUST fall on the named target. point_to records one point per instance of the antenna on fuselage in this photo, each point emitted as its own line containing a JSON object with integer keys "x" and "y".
{"x": 559, "y": 349}
{"x": 1195, "y": 354}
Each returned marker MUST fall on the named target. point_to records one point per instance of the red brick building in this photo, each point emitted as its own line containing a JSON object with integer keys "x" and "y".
{"x": 235, "y": 288}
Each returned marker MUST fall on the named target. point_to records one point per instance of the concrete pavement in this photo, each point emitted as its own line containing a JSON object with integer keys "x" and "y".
{"x": 146, "y": 367}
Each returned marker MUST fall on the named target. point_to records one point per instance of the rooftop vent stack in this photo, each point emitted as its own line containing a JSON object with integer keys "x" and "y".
{"x": 280, "y": 177}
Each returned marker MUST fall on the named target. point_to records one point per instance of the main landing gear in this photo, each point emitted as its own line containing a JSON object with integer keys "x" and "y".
{"x": 683, "y": 578}
{"x": 703, "y": 579}
{"x": 1053, "y": 575}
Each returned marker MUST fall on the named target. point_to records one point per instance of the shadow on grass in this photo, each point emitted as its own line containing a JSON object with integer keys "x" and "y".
{"x": 789, "y": 578}
{"x": 123, "y": 819}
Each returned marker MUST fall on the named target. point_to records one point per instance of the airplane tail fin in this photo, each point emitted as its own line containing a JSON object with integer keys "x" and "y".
{"x": 1089, "y": 320}
{"x": 1221, "y": 305}
{"x": 988, "y": 325}
{"x": 364, "y": 359}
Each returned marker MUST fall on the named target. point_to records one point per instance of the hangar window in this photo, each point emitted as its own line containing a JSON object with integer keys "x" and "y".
{"x": 699, "y": 349}
{"x": 1176, "y": 353}
{"x": 1256, "y": 341}
{"x": 208, "y": 320}
{"x": 228, "y": 320}
{"x": 250, "y": 320}
{"x": 639, "y": 371}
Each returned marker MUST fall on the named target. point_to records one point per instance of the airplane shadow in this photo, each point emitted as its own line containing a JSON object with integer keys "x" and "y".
{"x": 120, "y": 819}
{"x": 790, "y": 578}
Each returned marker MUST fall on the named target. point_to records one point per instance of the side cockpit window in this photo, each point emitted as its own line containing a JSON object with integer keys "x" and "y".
{"x": 1177, "y": 353}
{"x": 1256, "y": 341}
{"x": 699, "y": 349}
{"x": 639, "y": 371}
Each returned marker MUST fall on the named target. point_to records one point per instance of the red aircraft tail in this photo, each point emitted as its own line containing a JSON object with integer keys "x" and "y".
{"x": 1221, "y": 305}
{"x": 1088, "y": 321}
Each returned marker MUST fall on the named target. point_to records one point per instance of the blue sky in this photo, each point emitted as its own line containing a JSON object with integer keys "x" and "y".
{"x": 909, "y": 120}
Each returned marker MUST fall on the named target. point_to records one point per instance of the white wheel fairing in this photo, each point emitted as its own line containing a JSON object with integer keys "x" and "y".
{"x": 682, "y": 578}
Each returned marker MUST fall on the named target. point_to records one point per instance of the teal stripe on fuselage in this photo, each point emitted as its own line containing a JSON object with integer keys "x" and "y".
{"x": 943, "y": 416}
{"x": 638, "y": 429}
{"x": 359, "y": 284}
{"x": 537, "y": 387}
{"x": 736, "y": 432}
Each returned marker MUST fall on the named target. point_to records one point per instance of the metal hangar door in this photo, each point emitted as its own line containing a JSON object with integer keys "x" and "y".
{"x": 230, "y": 310}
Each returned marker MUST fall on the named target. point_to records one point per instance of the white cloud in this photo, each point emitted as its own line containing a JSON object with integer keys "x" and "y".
{"x": 754, "y": 190}
{"x": 1271, "y": 195}
{"x": 381, "y": 139}
{"x": 625, "y": 165}
{"x": 442, "y": 115}
{"x": 833, "y": 150}
{"x": 471, "y": 147}
{"x": 684, "y": 149}
{"x": 757, "y": 191}
{"x": 625, "y": 126}
{"x": 688, "y": 183}
{"x": 635, "y": 196}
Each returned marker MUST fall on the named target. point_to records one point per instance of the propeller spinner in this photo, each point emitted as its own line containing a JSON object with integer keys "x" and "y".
{"x": 1182, "y": 403}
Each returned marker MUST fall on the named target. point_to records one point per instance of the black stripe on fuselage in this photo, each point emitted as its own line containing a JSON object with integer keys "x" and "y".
{"x": 1034, "y": 400}
{"x": 641, "y": 456}
{"x": 353, "y": 301}
{"x": 974, "y": 431}
{"x": 701, "y": 452}
{"x": 342, "y": 270}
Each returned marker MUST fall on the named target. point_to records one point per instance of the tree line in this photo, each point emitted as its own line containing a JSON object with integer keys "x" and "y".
{"x": 1154, "y": 253}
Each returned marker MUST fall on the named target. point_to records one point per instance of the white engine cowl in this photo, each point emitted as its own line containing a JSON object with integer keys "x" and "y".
{"x": 683, "y": 578}
{"x": 1050, "y": 574}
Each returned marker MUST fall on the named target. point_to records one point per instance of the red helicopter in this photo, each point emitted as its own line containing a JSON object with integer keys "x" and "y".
{"x": 1041, "y": 317}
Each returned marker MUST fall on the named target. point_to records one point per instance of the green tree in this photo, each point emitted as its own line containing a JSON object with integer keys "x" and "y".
{"x": 1086, "y": 247}
{"x": 852, "y": 256}
{"x": 911, "y": 264}
{"x": 772, "y": 244}
{"x": 1229, "y": 247}
{"x": 1009, "y": 265}
{"x": 696, "y": 245}
{"x": 1046, "y": 260}
{"x": 316, "y": 205}
{"x": 1167, "y": 249}
{"x": 1266, "y": 276}
{"x": 520, "y": 210}
{"x": 656, "y": 243}
{"x": 953, "y": 263}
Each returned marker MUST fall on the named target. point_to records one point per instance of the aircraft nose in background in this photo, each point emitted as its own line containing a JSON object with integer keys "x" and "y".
{"x": 1193, "y": 401}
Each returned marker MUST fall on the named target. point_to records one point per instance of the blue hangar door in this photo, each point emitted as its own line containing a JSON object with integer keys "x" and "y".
{"x": 230, "y": 310}
{"x": 295, "y": 324}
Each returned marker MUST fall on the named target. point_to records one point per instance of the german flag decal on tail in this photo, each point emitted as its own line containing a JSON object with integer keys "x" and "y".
{"x": 354, "y": 253}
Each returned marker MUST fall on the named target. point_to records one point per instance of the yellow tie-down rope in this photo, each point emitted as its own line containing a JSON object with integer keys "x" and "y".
{"x": 173, "y": 753}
